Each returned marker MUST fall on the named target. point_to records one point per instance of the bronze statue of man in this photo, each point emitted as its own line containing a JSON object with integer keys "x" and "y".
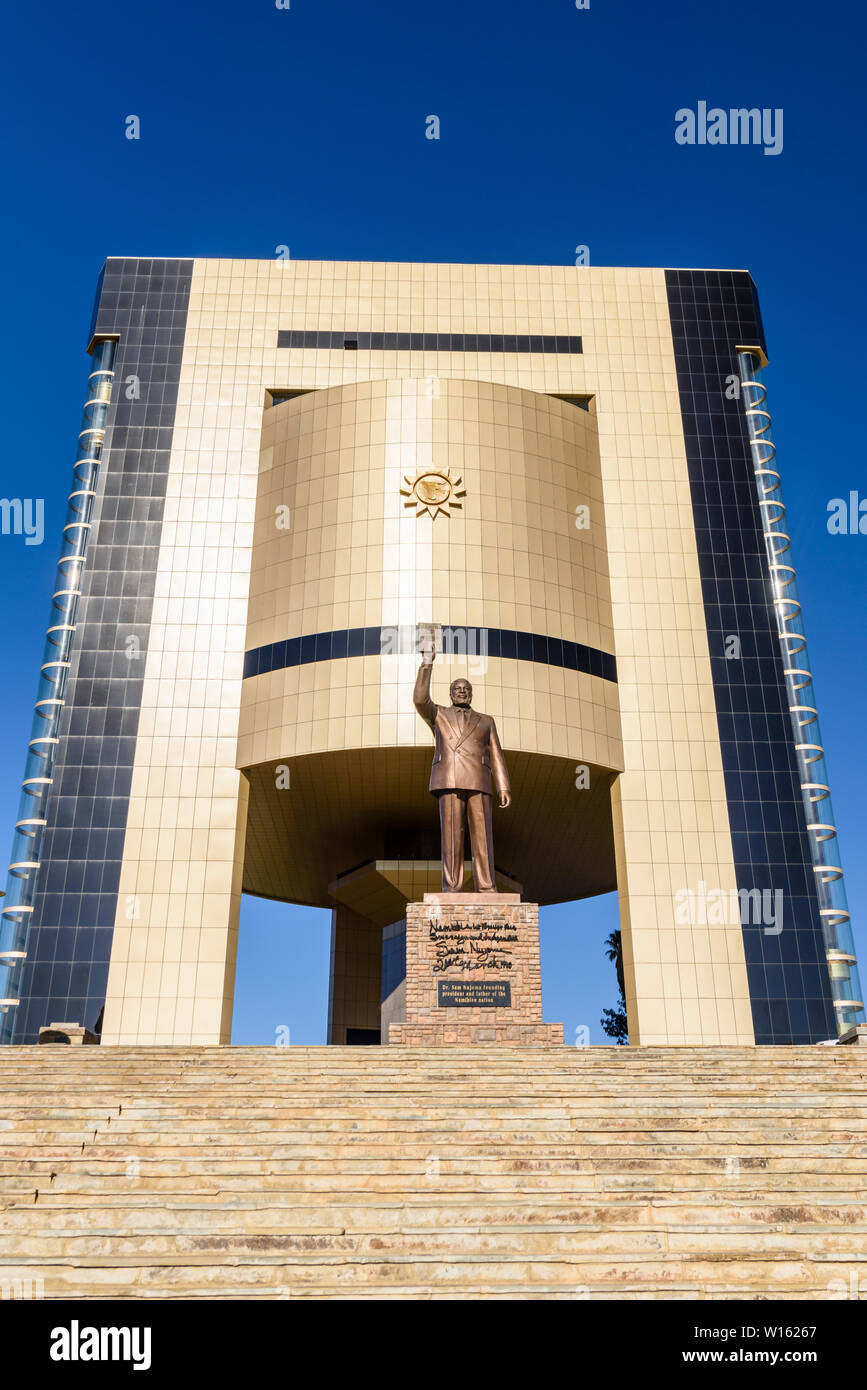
{"x": 468, "y": 764}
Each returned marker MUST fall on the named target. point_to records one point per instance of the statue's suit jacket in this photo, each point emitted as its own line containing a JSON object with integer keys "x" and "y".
{"x": 468, "y": 759}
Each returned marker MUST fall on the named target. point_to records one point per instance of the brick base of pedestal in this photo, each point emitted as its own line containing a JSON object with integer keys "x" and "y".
{"x": 473, "y": 974}
{"x": 469, "y": 1034}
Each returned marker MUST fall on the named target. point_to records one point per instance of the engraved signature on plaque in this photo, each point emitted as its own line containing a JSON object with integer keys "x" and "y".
{"x": 471, "y": 945}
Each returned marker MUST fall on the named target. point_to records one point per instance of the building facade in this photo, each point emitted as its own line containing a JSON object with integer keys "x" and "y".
{"x": 293, "y": 466}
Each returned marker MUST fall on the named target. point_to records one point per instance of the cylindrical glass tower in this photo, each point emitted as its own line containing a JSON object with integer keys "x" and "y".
{"x": 815, "y": 790}
{"x": 44, "y": 735}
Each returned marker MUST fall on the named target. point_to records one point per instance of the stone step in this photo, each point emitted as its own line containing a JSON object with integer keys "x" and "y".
{"x": 784, "y": 1206}
{"x": 271, "y": 1064}
{"x": 297, "y": 1102}
{"x": 267, "y": 1275}
{"x": 460, "y": 1173}
{"x": 454, "y": 1122}
{"x": 86, "y": 1220}
{"x": 100, "y": 1065}
{"x": 104, "y": 1077}
{"x": 741, "y": 1204}
{"x": 450, "y": 1104}
{"x": 687, "y": 1076}
{"x": 576, "y": 1062}
{"x": 103, "y": 1245}
{"x": 145, "y": 1286}
{"x": 767, "y": 1284}
{"x": 632, "y": 1179}
{"x": 788, "y": 1156}
{"x": 563, "y": 1142}
{"x": 439, "y": 1103}
{"x": 457, "y": 1118}
{"x": 353, "y": 1150}
{"x": 690, "y": 1080}
{"x": 486, "y": 1157}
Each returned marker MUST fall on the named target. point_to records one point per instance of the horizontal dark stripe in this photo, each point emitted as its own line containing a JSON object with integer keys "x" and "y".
{"x": 429, "y": 342}
{"x": 391, "y": 641}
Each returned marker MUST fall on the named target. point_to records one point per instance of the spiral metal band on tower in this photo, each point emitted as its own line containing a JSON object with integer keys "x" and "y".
{"x": 44, "y": 735}
{"x": 813, "y": 776}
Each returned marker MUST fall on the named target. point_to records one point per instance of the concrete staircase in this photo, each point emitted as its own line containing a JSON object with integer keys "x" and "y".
{"x": 536, "y": 1172}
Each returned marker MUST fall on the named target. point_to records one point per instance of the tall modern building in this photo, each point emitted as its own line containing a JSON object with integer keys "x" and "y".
{"x": 284, "y": 469}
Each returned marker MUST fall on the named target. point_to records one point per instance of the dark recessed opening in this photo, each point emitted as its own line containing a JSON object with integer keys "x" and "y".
{"x": 350, "y": 344}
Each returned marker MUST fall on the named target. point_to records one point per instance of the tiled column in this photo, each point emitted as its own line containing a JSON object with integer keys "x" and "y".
{"x": 172, "y": 970}
{"x": 355, "y": 986}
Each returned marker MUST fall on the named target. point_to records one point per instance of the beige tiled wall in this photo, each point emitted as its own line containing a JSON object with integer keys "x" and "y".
{"x": 178, "y": 904}
{"x": 354, "y": 555}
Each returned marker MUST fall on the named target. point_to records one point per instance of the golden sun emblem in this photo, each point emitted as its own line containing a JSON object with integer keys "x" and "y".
{"x": 433, "y": 491}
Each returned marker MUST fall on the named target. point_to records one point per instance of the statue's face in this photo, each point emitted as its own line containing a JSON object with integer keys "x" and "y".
{"x": 462, "y": 693}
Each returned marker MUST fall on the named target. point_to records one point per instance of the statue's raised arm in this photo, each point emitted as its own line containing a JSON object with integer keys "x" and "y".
{"x": 421, "y": 696}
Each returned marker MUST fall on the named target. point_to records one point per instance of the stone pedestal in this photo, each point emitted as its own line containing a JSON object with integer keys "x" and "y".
{"x": 472, "y": 973}
{"x": 73, "y": 1034}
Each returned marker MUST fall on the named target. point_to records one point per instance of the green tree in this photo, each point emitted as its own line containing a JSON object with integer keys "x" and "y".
{"x": 614, "y": 1022}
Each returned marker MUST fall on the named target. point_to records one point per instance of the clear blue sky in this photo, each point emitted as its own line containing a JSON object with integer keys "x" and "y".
{"x": 262, "y": 127}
